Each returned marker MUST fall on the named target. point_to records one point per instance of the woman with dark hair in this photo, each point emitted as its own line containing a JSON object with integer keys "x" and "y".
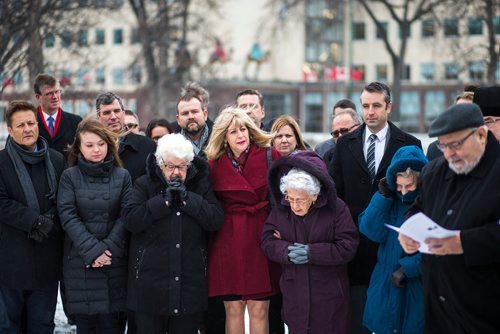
{"x": 310, "y": 232}
{"x": 92, "y": 193}
{"x": 239, "y": 155}
{"x": 287, "y": 136}
{"x": 157, "y": 128}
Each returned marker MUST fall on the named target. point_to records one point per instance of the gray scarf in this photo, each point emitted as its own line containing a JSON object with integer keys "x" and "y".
{"x": 20, "y": 156}
{"x": 197, "y": 147}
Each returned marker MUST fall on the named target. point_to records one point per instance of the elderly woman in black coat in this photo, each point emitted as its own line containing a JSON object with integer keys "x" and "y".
{"x": 91, "y": 195}
{"x": 171, "y": 210}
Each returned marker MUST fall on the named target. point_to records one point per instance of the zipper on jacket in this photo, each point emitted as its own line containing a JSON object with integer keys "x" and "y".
{"x": 138, "y": 262}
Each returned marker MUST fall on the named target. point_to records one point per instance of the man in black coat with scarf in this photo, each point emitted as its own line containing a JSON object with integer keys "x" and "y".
{"x": 360, "y": 160}
{"x": 459, "y": 191}
{"x": 31, "y": 237}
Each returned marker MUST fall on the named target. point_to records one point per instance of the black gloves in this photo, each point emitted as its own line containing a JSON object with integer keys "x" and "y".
{"x": 41, "y": 228}
{"x": 175, "y": 189}
{"x": 398, "y": 278}
{"x": 383, "y": 188}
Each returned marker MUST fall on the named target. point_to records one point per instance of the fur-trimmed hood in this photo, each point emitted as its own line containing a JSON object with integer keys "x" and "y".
{"x": 309, "y": 162}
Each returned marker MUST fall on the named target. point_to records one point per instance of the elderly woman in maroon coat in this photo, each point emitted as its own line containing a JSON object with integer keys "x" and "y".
{"x": 238, "y": 155}
{"x": 311, "y": 233}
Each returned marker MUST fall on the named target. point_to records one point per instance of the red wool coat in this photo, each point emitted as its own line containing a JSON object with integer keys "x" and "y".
{"x": 236, "y": 263}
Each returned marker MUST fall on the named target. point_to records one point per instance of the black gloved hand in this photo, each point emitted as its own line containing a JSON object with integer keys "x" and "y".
{"x": 41, "y": 228}
{"x": 398, "y": 278}
{"x": 383, "y": 188}
{"x": 175, "y": 185}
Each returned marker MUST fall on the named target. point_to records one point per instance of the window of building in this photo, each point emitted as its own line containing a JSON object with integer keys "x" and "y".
{"x": 381, "y": 33}
{"x": 497, "y": 75}
{"x": 83, "y": 76}
{"x": 381, "y": 72}
{"x": 118, "y": 76}
{"x": 408, "y": 32}
{"x": 451, "y": 26}
{"x": 434, "y": 104}
{"x": 427, "y": 72}
{"x": 410, "y": 110}
{"x": 83, "y": 108}
{"x": 496, "y": 25}
{"x": 428, "y": 28}
{"x": 358, "y": 31}
{"x": 134, "y": 36}
{"x": 136, "y": 75}
{"x": 476, "y": 70}
{"x": 475, "y": 26}
{"x": 277, "y": 105}
{"x": 358, "y": 72}
{"x": 66, "y": 38}
{"x": 67, "y": 106}
{"x": 117, "y": 3}
{"x": 314, "y": 112}
{"x": 406, "y": 75}
{"x": 100, "y": 37}
{"x": 49, "y": 40}
{"x": 451, "y": 71}
{"x": 100, "y": 3}
{"x": 100, "y": 76}
{"x": 117, "y": 36}
{"x": 83, "y": 38}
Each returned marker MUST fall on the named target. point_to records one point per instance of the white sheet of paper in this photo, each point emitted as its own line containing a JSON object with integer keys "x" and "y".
{"x": 420, "y": 227}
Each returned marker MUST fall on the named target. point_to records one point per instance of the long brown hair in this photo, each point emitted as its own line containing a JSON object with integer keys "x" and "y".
{"x": 92, "y": 125}
{"x": 292, "y": 123}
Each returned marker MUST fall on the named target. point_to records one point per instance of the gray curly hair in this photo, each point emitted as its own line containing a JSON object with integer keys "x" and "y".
{"x": 298, "y": 179}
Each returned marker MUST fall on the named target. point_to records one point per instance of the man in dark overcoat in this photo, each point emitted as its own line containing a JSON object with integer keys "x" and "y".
{"x": 30, "y": 233}
{"x": 58, "y": 127}
{"x": 356, "y": 182}
{"x": 460, "y": 191}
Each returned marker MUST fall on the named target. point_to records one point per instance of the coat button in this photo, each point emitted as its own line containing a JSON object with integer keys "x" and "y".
{"x": 178, "y": 213}
{"x": 449, "y": 212}
{"x": 176, "y": 311}
{"x": 441, "y": 298}
{"x": 176, "y": 278}
{"x": 177, "y": 246}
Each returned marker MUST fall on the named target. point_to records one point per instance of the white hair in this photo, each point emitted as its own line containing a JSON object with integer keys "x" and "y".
{"x": 174, "y": 145}
{"x": 297, "y": 179}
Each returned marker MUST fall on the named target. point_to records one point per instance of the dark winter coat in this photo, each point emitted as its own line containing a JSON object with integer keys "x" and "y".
{"x": 316, "y": 294}
{"x": 390, "y": 309}
{"x": 25, "y": 263}
{"x": 462, "y": 292}
{"x": 65, "y": 134}
{"x": 245, "y": 200}
{"x": 168, "y": 247}
{"x": 356, "y": 187}
{"x": 134, "y": 150}
{"x": 90, "y": 200}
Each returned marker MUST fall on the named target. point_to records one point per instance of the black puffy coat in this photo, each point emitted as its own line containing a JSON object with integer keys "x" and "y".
{"x": 90, "y": 200}
{"x": 168, "y": 247}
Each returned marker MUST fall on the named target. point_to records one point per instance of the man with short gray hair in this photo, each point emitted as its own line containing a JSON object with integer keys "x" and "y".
{"x": 460, "y": 192}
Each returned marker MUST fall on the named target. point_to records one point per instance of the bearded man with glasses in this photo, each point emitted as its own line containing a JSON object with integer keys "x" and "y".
{"x": 460, "y": 192}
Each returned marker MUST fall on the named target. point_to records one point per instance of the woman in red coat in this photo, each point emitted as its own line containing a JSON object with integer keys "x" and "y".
{"x": 239, "y": 155}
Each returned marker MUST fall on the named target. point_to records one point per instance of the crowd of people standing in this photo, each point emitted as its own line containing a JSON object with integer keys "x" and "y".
{"x": 185, "y": 229}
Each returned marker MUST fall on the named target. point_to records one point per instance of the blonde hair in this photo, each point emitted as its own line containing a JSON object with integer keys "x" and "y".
{"x": 228, "y": 117}
{"x": 292, "y": 123}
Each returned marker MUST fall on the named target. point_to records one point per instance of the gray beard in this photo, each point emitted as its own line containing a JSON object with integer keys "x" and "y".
{"x": 466, "y": 168}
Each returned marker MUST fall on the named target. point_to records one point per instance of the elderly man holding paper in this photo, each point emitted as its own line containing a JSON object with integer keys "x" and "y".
{"x": 460, "y": 191}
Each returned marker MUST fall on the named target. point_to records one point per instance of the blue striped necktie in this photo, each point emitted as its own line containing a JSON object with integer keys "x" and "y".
{"x": 370, "y": 156}
{"x": 50, "y": 123}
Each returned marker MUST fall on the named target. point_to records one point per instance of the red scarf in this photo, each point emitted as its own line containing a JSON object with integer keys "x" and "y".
{"x": 56, "y": 125}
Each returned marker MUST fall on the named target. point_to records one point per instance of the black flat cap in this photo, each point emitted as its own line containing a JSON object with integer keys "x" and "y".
{"x": 488, "y": 99}
{"x": 456, "y": 118}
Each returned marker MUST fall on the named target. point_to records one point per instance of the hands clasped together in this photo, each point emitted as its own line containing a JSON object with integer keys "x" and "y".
{"x": 298, "y": 253}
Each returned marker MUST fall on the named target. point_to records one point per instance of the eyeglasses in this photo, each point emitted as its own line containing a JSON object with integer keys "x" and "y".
{"x": 342, "y": 131}
{"x": 248, "y": 106}
{"x": 172, "y": 167}
{"x": 54, "y": 92}
{"x": 298, "y": 201}
{"x": 455, "y": 145}
{"x": 107, "y": 113}
{"x": 491, "y": 121}
{"x": 131, "y": 125}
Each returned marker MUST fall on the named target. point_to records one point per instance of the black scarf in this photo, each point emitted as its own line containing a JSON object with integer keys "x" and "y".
{"x": 20, "y": 156}
{"x": 97, "y": 170}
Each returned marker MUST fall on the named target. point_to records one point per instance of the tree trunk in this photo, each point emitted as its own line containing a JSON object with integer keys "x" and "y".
{"x": 492, "y": 45}
{"x": 35, "y": 50}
